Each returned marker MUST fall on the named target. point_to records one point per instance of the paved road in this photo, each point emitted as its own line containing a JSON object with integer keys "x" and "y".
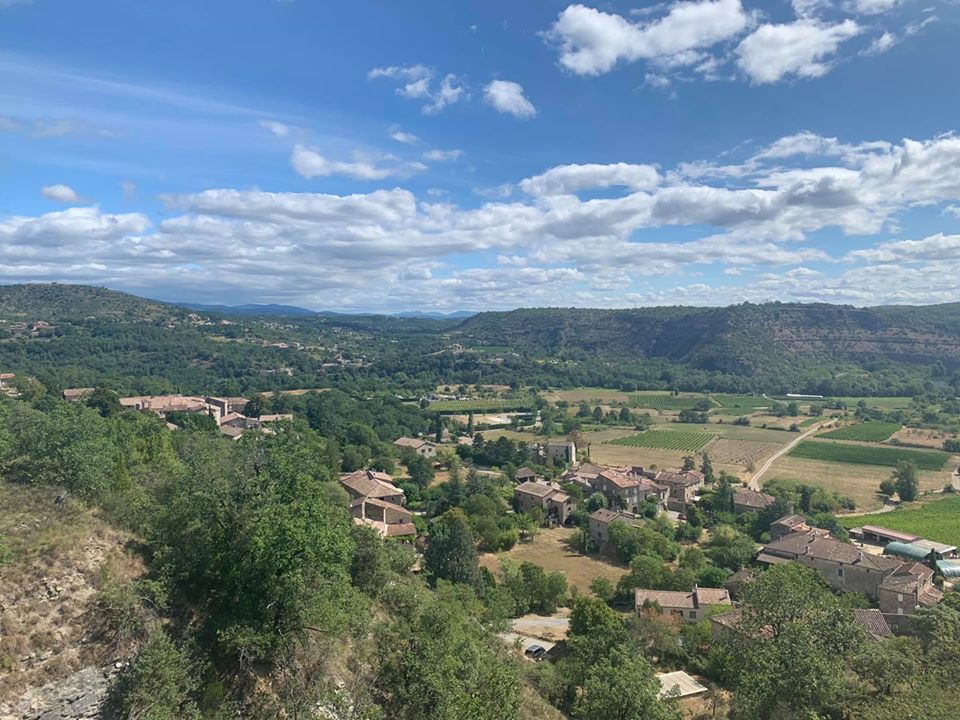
{"x": 754, "y": 484}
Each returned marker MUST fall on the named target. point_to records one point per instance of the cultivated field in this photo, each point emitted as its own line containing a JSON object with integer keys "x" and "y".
{"x": 479, "y": 405}
{"x": 864, "y": 432}
{"x": 665, "y": 402}
{"x": 938, "y": 520}
{"x": 549, "y": 549}
{"x": 684, "y": 440}
{"x": 867, "y": 455}
{"x": 593, "y": 396}
{"x": 741, "y": 452}
{"x": 860, "y": 482}
{"x": 916, "y": 436}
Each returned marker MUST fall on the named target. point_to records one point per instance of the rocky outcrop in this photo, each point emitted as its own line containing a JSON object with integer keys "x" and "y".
{"x": 76, "y": 697}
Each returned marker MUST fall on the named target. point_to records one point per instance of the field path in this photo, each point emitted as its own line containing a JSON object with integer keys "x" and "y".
{"x": 754, "y": 484}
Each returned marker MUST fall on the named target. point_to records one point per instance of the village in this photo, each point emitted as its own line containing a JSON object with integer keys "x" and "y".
{"x": 670, "y": 547}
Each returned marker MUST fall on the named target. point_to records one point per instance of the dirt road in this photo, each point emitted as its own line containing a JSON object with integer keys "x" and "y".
{"x": 754, "y": 481}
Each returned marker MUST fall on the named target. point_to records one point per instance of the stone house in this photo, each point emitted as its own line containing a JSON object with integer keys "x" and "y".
{"x": 372, "y": 484}
{"x": 600, "y": 521}
{"x": 683, "y": 487}
{"x": 908, "y": 589}
{"x": 690, "y": 606}
{"x": 747, "y": 500}
{"x": 421, "y": 447}
{"x": 387, "y": 518}
{"x": 557, "y": 505}
{"x": 843, "y": 566}
{"x": 628, "y": 490}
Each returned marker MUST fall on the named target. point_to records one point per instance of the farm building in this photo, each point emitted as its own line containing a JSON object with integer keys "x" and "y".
{"x": 690, "y": 606}
{"x": 679, "y": 684}
{"x": 919, "y": 550}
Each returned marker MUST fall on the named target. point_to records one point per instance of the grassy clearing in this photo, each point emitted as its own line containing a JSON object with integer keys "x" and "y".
{"x": 866, "y": 455}
{"x": 860, "y": 482}
{"x": 747, "y": 403}
{"x": 481, "y": 405}
{"x": 667, "y": 439}
{"x": 864, "y": 432}
{"x": 550, "y": 550}
{"x": 938, "y": 520}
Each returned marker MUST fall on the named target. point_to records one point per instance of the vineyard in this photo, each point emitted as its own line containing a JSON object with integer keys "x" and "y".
{"x": 936, "y": 521}
{"x": 866, "y": 455}
{"x": 665, "y": 402}
{"x": 742, "y": 402}
{"x": 481, "y": 405}
{"x": 741, "y": 452}
{"x": 684, "y": 440}
{"x": 865, "y": 432}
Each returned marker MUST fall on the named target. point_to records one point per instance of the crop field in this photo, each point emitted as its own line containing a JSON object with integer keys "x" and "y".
{"x": 665, "y": 402}
{"x": 866, "y": 455}
{"x": 685, "y": 440}
{"x": 864, "y": 432}
{"x": 747, "y": 403}
{"x": 481, "y": 405}
{"x": 741, "y": 452}
{"x": 938, "y": 521}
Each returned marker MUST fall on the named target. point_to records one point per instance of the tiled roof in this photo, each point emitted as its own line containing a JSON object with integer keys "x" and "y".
{"x": 752, "y": 498}
{"x": 871, "y": 620}
{"x": 605, "y": 515}
{"x": 827, "y": 548}
{"x": 537, "y": 489}
{"x": 368, "y": 483}
{"x": 410, "y": 442}
{"x": 791, "y": 521}
{"x": 697, "y": 598}
{"x": 381, "y": 504}
{"x": 619, "y": 479}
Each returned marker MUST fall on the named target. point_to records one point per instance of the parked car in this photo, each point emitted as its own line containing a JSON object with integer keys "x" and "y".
{"x": 535, "y": 652}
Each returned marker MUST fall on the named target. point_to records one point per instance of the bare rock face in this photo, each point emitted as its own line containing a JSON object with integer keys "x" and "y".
{"x": 76, "y": 697}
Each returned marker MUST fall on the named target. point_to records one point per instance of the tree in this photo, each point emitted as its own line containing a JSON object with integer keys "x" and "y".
{"x": 451, "y": 554}
{"x": 888, "y": 487}
{"x": 104, "y": 401}
{"x": 793, "y": 643}
{"x": 603, "y": 588}
{"x": 707, "y": 469}
{"x": 250, "y": 538}
{"x": 438, "y": 429}
{"x": 622, "y": 686}
{"x": 471, "y": 423}
{"x": 157, "y": 685}
{"x": 596, "y": 501}
{"x": 890, "y": 663}
{"x": 905, "y": 479}
{"x": 688, "y": 463}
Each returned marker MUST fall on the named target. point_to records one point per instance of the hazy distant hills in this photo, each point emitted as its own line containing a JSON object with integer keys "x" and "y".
{"x": 741, "y": 339}
{"x": 294, "y": 311}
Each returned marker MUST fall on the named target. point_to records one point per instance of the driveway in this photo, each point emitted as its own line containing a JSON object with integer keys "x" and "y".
{"x": 754, "y": 481}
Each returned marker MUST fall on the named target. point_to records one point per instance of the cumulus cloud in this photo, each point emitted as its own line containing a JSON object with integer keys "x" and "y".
{"x": 60, "y": 193}
{"x": 417, "y": 83}
{"x": 403, "y": 137}
{"x": 310, "y": 164}
{"x": 442, "y": 155}
{"x": 556, "y": 243}
{"x": 800, "y": 49}
{"x": 277, "y": 128}
{"x": 508, "y": 97}
{"x": 593, "y": 42}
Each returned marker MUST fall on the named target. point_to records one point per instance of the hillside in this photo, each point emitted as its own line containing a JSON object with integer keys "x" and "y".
{"x": 56, "y": 302}
{"x": 741, "y": 339}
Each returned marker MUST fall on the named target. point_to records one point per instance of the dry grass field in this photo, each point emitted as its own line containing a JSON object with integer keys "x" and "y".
{"x": 549, "y": 549}
{"x": 858, "y": 481}
{"x": 926, "y": 438}
{"x": 593, "y": 396}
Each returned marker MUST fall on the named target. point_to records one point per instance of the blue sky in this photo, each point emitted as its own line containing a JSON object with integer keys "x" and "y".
{"x": 483, "y": 155}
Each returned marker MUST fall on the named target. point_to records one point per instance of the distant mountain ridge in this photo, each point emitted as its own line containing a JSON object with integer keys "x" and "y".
{"x": 740, "y": 339}
{"x": 273, "y": 310}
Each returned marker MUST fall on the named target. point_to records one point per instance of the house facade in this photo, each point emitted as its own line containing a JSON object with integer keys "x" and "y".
{"x": 690, "y": 606}
{"x": 557, "y": 505}
{"x": 421, "y": 447}
{"x": 908, "y": 589}
{"x": 600, "y": 521}
{"x": 683, "y": 487}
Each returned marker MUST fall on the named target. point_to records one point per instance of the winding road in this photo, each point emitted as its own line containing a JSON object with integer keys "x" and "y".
{"x": 754, "y": 484}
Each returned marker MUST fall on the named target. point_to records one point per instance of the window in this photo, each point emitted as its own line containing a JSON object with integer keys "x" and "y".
{"x": 899, "y": 597}
{"x": 839, "y": 572}
{"x": 693, "y": 614}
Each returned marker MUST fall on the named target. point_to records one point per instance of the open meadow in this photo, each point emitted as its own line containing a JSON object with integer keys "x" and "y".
{"x": 550, "y": 550}
{"x": 860, "y": 482}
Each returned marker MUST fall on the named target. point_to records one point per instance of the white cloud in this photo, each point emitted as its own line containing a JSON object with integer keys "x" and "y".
{"x": 952, "y": 210}
{"x": 326, "y": 249}
{"x": 881, "y": 44}
{"x": 568, "y": 179}
{"x": 872, "y": 7}
{"x": 418, "y": 84}
{"x": 451, "y": 91}
{"x": 403, "y": 137}
{"x": 277, "y": 128}
{"x": 657, "y": 81}
{"x": 508, "y": 97}
{"x": 801, "y": 49}
{"x": 404, "y": 72}
{"x": 592, "y": 42}
{"x": 60, "y": 193}
{"x": 442, "y": 155}
{"x": 309, "y": 163}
